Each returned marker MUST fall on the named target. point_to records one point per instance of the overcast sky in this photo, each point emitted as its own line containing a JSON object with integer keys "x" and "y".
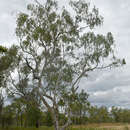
{"x": 108, "y": 87}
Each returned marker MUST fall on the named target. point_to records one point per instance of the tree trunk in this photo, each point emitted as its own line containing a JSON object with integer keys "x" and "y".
{"x": 37, "y": 124}
{"x": 3, "y": 123}
{"x": 1, "y": 106}
{"x": 56, "y": 122}
{"x": 17, "y": 121}
{"x": 21, "y": 120}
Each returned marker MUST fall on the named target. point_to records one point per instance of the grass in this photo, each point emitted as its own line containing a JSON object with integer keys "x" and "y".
{"x": 31, "y": 128}
{"x": 83, "y": 127}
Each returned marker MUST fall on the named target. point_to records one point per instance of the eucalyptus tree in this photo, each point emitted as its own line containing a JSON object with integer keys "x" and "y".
{"x": 57, "y": 48}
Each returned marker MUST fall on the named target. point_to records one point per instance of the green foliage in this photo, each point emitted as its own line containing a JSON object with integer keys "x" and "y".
{"x": 48, "y": 121}
{"x": 7, "y": 63}
{"x": 33, "y": 115}
{"x": 99, "y": 115}
{"x": 7, "y": 116}
{"x": 8, "y": 58}
{"x": 3, "y": 49}
{"x": 120, "y": 115}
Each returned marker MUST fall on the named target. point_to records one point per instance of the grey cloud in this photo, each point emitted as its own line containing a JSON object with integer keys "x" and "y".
{"x": 8, "y": 11}
{"x": 115, "y": 96}
{"x": 109, "y": 88}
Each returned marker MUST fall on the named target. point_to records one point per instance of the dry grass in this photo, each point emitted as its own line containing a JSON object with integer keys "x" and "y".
{"x": 103, "y": 126}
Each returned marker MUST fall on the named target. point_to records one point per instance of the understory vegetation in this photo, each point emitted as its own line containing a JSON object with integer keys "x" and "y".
{"x": 22, "y": 115}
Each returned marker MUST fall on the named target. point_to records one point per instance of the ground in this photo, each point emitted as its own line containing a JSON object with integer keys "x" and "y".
{"x": 107, "y": 126}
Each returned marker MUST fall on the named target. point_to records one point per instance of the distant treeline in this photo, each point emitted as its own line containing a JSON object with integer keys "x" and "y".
{"x": 25, "y": 115}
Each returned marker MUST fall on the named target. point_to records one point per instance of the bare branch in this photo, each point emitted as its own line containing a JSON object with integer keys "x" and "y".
{"x": 29, "y": 65}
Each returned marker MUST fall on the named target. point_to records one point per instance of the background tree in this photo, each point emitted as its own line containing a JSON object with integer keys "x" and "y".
{"x": 56, "y": 51}
{"x": 3, "y": 50}
{"x": 98, "y": 115}
{"x": 1, "y": 105}
{"x": 80, "y": 107}
{"x": 47, "y": 119}
{"x": 8, "y": 114}
{"x": 33, "y": 115}
{"x": 7, "y": 63}
{"x": 117, "y": 114}
{"x": 18, "y": 107}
